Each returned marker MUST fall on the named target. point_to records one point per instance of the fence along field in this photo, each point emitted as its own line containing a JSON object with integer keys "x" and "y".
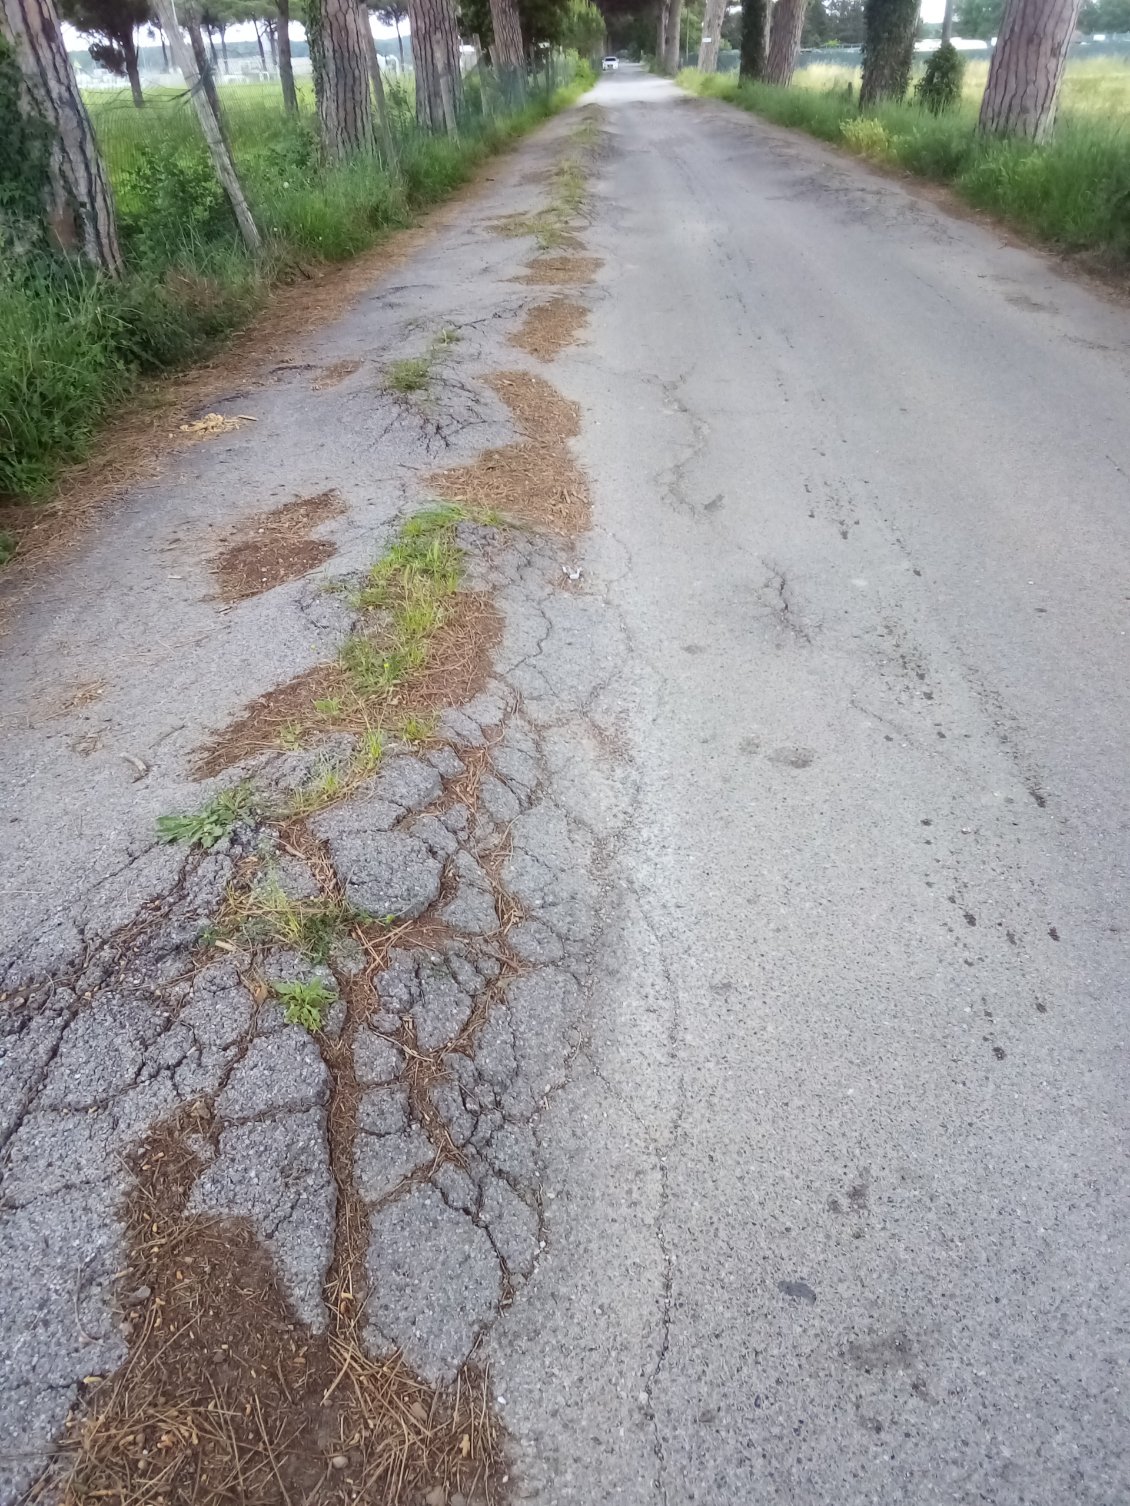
{"x": 72, "y": 344}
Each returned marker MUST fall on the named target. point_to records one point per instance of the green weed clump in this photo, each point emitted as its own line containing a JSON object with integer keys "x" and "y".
{"x": 304, "y": 1004}
{"x": 73, "y": 344}
{"x": 209, "y": 825}
{"x": 1072, "y": 192}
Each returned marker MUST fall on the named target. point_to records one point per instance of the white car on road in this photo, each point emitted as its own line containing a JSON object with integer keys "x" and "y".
{"x": 610, "y": 65}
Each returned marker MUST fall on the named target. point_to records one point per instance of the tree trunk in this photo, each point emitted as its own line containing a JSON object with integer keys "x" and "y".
{"x": 508, "y": 51}
{"x": 203, "y": 69}
{"x": 185, "y": 60}
{"x": 286, "y": 70}
{"x": 378, "y": 87}
{"x": 947, "y": 23}
{"x": 399, "y": 40}
{"x": 164, "y": 49}
{"x": 77, "y": 204}
{"x": 341, "y": 76}
{"x": 269, "y": 28}
{"x": 1027, "y": 67}
{"x": 212, "y": 46}
{"x": 674, "y": 22}
{"x": 129, "y": 52}
{"x": 435, "y": 53}
{"x": 259, "y": 41}
{"x": 661, "y": 32}
{"x": 712, "y": 20}
{"x": 889, "y": 28}
{"x": 755, "y": 39}
{"x": 784, "y": 40}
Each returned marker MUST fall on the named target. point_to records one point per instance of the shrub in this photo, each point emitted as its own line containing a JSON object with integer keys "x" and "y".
{"x": 867, "y": 136}
{"x": 939, "y": 88}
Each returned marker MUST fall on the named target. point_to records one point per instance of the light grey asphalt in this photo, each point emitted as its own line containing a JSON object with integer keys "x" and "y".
{"x": 841, "y": 1195}
{"x": 796, "y": 1127}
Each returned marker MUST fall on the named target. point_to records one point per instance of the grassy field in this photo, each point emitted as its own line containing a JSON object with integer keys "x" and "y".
{"x": 1073, "y": 192}
{"x": 72, "y": 344}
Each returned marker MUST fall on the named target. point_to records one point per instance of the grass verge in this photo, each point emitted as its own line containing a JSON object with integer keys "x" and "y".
{"x": 73, "y": 345}
{"x": 1072, "y": 193}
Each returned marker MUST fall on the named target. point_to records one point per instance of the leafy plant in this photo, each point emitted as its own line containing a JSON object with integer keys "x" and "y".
{"x": 209, "y": 825}
{"x": 304, "y": 1003}
{"x": 170, "y": 201}
{"x": 867, "y": 136}
{"x": 412, "y": 374}
{"x": 939, "y": 88}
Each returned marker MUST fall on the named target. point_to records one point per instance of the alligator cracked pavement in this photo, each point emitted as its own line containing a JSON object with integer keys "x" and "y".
{"x": 629, "y": 1007}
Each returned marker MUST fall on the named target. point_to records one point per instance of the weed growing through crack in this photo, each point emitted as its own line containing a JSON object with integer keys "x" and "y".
{"x": 417, "y": 729}
{"x": 413, "y": 374}
{"x": 333, "y": 781}
{"x": 304, "y": 1004}
{"x": 209, "y": 825}
{"x": 411, "y": 583}
{"x": 410, "y": 375}
{"x": 267, "y": 916}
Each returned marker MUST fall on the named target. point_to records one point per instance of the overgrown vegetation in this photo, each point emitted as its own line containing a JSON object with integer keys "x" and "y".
{"x": 1072, "y": 192}
{"x": 73, "y": 343}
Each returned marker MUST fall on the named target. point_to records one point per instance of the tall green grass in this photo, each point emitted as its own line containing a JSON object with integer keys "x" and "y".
{"x": 72, "y": 344}
{"x": 1072, "y": 192}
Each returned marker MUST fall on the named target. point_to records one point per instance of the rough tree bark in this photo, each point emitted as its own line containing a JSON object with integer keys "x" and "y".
{"x": 340, "y": 58}
{"x": 889, "y": 27}
{"x": 78, "y": 207}
{"x": 508, "y": 51}
{"x": 755, "y": 39}
{"x": 674, "y": 25}
{"x": 286, "y": 68}
{"x": 712, "y": 19}
{"x": 133, "y": 73}
{"x": 378, "y": 83}
{"x": 1027, "y": 67}
{"x": 784, "y": 40}
{"x": 661, "y": 31}
{"x": 435, "y": 52}
{"x": 185, "y": 60}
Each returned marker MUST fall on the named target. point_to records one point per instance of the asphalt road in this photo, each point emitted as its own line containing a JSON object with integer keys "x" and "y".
{"x": 780, "y": 1028}
{"x": 840, "y": 1198}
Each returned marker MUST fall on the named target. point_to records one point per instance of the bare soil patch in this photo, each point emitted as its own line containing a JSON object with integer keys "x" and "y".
{"x": 561, "y": 271}
{"x": 335, "y": 374}
{"x": 225, "y": 1398}
{"x": 550, "y": 327}
{"x": 273, "y": 547}
{"x": 536, "y": 482}
{"x": 455, "y": 670}
{"x": 540, "y": 409}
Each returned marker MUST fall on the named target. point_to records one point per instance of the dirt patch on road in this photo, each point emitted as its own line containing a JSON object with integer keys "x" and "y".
{"x": 274, "y": 547}
{"x": 335, "y": 374}
{"x": 540, "y": 409}
{"x": 536, "y": 482}
{"x": 226, "y": 1398}
{"x": 561, "y": 271}
{"x": 550, "y": 327}
{"x": 325, "y": 699}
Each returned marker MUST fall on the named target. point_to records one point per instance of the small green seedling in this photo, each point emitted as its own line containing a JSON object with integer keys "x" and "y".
{"x": 304, "y": 1004}
{"x": 209, "y": 825}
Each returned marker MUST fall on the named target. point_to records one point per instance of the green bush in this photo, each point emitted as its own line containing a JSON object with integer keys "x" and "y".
{"x": 939, "y": 88}
{"x": 169, "y": 203}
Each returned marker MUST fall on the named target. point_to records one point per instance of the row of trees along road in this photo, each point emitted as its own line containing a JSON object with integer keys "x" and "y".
{"x": 1024, "y": 76}
{"x": 48, "y": 130}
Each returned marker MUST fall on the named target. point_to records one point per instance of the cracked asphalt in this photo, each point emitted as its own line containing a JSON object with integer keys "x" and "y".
{"x": 756, "y": 1105}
